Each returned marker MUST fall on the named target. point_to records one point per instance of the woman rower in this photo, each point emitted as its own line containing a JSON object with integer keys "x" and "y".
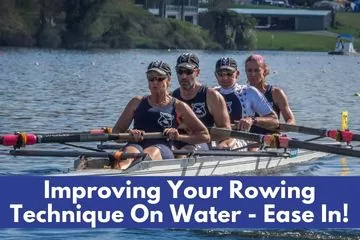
{"x": 256, "y": 72}
{"x": 243, "y": 101}
{"x": 158, "y": 112}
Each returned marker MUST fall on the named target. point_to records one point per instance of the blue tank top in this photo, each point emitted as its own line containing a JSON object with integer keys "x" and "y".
{"x": 269, "y": 98}
{"x": 155, "y": 119}
{"x": 234, "y": 106}
{"x": 198, "y": 105}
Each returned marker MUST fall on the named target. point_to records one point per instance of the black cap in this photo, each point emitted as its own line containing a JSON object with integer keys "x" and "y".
{"x": 226, "y": 63}
{"x": 159, "y": 66}
{"x": 187, "y": 60}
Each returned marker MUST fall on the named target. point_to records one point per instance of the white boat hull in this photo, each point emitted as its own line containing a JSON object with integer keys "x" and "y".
{"x": 204, "y": 166}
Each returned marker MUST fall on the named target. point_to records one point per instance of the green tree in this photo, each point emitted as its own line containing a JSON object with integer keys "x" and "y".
{"x": 228, "y": 28}
{"x": 220, "y": 4}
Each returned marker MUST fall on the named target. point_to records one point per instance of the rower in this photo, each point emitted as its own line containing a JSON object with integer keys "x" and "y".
{"x": 208, "y": 105}
{"x": 243, "y": 101}
{"x": 256, "y": 72}
{"x": 158, "y": 112}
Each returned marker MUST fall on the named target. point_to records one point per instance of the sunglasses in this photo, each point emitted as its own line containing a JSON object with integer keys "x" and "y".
{"x": 158, "y": 79}
{"x": 186, "y": 71}
{"x": 224, "y": 74}
{"x": 250, "y": 70}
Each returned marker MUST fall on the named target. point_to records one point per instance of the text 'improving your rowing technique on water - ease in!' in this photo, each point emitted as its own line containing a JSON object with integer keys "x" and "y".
{"x": 181, "y": 202}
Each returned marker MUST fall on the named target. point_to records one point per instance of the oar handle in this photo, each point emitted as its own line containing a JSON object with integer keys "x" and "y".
{"x": 154, "y": 135}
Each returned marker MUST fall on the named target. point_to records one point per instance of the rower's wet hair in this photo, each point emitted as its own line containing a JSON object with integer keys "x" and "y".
{"x": 260, "y": 60}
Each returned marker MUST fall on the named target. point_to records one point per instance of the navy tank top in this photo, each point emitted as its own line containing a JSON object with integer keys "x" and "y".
{"x": 154, "y": 119}
{"x": 269, "y": 98}
{"x": 233, "y": 104}
{"x": 198, "y": 105}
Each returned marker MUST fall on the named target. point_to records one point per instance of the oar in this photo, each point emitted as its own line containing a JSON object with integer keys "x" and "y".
{"x": 23, "y": 139}
{"x": 223, "y": 153}
{"x": 101, "y": 159}
{"x": 343, "y": 135}
{"x": 91, "y": 131}
{"x": 284, "y": 142}
{"x": 44, "y": 153}
{"x": 340, "y": 135}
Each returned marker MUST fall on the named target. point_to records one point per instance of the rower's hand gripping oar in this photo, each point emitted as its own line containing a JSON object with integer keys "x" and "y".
{"x": 277, "y": 141}
{"x": 18, "y": 140}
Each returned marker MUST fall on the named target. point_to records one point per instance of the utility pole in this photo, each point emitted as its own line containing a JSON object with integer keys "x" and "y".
{"x": 162, "y": 9}
{"x": 182, "y": 10}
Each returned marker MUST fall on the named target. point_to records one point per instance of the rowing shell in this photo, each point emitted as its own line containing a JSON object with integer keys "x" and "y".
{"x": 207, "y": 165}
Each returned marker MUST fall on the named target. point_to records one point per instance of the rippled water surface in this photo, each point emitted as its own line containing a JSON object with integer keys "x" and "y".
{"x": 52, "y": 91}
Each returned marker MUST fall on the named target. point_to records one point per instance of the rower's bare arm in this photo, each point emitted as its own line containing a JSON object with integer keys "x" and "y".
{"x": 197, "y": 132}
{"x": 127, "y": 115}
{"x": 218, "y": 109}
{"x": 281, "y": 100}
{"x": 269, "y": 121}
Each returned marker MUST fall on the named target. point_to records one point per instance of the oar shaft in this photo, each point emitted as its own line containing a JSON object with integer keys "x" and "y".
{"x": 236, "y": 134}
{"x": 284, "y": 142}
{"x": 222, "y": 153}
{"x": 42, "y": 153}
{"x": 343, "y": 134}
{"x": 29, "y": 139}
{"x": 323, "y": 148}
{"x": 283, "y": 127}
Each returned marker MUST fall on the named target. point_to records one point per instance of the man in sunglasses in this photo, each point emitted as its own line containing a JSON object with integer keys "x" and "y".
{"x": 243, "y": 102}
{"x": 208, "y": 105}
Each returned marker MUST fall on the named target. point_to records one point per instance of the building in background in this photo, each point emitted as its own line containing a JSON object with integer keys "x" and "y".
{"x": 287, "y": 19}
{"x": 185, "y": 10}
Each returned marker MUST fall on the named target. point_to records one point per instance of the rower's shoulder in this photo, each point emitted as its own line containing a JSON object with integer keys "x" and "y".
{"x": 213, "y": 92}
{"x": 137, "y": 98}
{"x": 277, "y": 91}
{"x": 181, "y": 106}
{"x": 135, "y": 101}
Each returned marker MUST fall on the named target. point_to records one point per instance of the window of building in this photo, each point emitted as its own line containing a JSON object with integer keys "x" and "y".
{"x": 189, "y": 19}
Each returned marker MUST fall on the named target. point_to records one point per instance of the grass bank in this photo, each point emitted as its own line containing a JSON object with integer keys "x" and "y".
{"x": 293, "y": 41}
{"x": 347, "y": 22}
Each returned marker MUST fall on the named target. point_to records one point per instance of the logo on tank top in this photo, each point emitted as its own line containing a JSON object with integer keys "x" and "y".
{"x": 199, "y": 109}
{"x": 165, "y": 120}
{"x": 228, "y": 104}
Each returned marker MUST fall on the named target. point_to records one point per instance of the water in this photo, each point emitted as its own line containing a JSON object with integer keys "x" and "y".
{"x": 56, "y": 90}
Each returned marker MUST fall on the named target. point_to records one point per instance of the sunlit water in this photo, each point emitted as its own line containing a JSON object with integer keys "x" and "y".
{"x": 54, "y": 91}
